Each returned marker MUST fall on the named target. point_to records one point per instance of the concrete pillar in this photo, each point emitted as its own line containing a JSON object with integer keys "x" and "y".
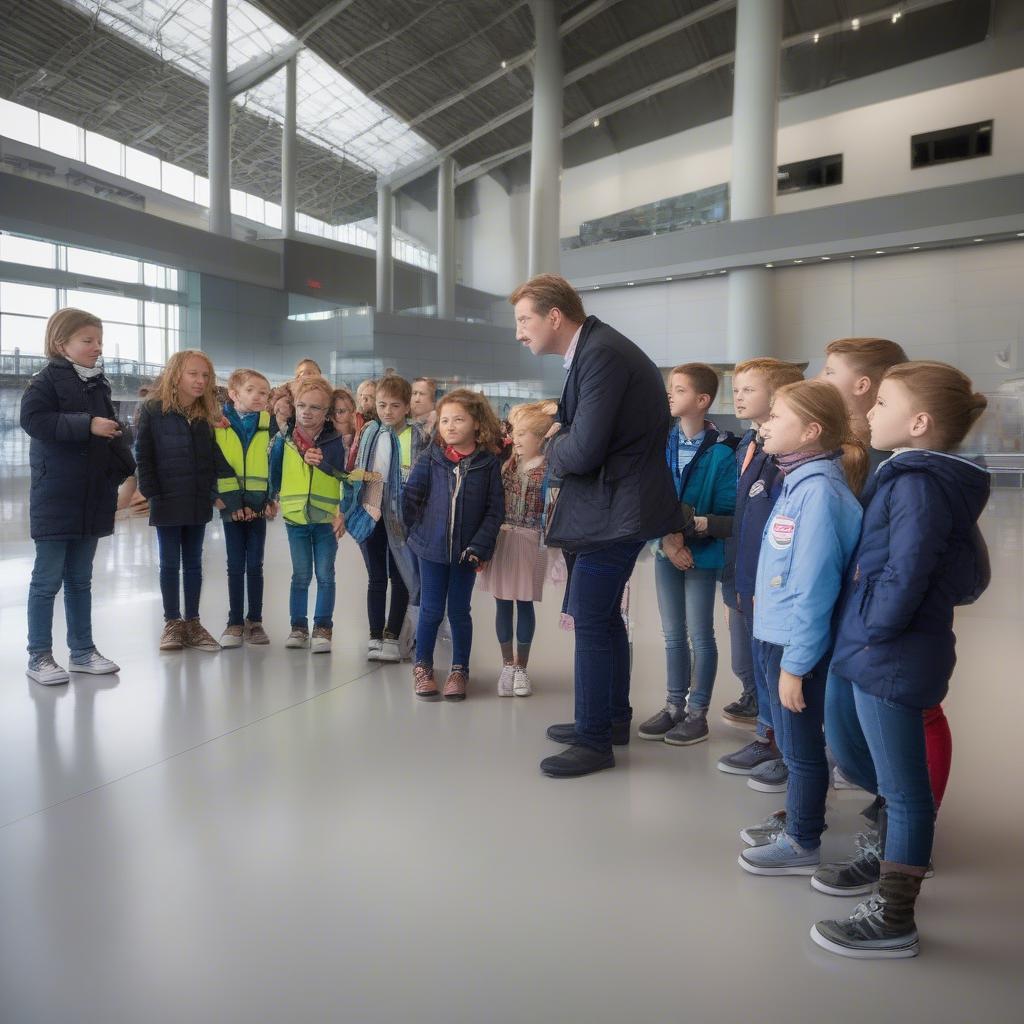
{"x": 446, "y": 239}
{"x": 546, "y": 146}
{"x": 219, "y": 122}
{"x": 751, "y": 325}
{"x": 385, "y": 261}
{"x": 288, "y": 152}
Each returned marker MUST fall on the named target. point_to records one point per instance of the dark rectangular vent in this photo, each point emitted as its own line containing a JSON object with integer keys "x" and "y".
{"x": 820, "y": 172}
{"x": 964, "y": 142}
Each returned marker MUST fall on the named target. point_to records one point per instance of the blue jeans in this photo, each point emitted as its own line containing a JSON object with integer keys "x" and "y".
{"x": 245, "y": 543}
{"x": 879, "y": 745}
{"x": 181, "y": 557}
{"x": 443, "y": 585}
{"x": 802, "y": 742}
{"x": 526, "y": 623}
{"x": 66, "y": 563}
{"x": 594, "y": 601}
{"x": 686, "y": 601}
{"x": 313, "y": 547}
{"x": 740, "y": 648}
{"x": 380, "y": 567}
{"x": 745, "y": 615}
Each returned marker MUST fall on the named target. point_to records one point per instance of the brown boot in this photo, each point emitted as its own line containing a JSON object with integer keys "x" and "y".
{"x": 255, "y": 634}
{"x": 424, "y": 685}
{"x": 173, "y": 636}
{"x": 455, "y": 685}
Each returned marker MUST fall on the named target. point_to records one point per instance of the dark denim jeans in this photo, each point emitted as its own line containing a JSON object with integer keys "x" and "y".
{"x": 66, "y": 563}
{"x": 602, "y": 646}
{"x": 380, "y": 567}
{"x": 245, "y": 543}
{"x": 526, "y": 621}
{"x": 181, "y": 559}
{"x": 741, "y": 648}
{"x": 802, "y": 742}
{"x": 443, "y": 585}
{"x": 880, "y": 746}
{"x": 686, "y": 601}
{"x": 313, "y": 549}
{"x": 745, "y": 619}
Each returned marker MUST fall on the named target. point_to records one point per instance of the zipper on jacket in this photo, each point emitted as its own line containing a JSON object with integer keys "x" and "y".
{"x": 451, "y": 509}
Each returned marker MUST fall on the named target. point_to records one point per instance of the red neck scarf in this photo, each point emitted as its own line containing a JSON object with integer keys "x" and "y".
{"x": 453, "y": 456}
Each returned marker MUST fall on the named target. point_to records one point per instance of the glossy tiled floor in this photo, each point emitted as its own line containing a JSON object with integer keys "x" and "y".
{"x": 261, "y": 835}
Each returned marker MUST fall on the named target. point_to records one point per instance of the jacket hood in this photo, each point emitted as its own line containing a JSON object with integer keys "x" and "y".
{"x": 829, "y": 466}
{"x": 965, "y": 484}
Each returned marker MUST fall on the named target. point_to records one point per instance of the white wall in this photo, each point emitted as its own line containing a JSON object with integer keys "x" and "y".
{"x": 491, "y": 236}
{"x": 964, "y": 306}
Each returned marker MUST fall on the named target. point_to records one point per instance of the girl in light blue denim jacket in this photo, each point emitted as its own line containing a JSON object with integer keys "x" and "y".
{"x": 805, "y": 549}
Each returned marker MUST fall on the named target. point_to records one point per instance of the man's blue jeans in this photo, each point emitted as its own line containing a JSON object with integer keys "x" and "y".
{"x": 313, "y": 548}
{"x": 602, "y": 645}
{"x": 66, "y": 563}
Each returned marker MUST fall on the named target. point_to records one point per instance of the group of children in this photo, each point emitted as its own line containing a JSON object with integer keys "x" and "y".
{"x": 840, "y": 571}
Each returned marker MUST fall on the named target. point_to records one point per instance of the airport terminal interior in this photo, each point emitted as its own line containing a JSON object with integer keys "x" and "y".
{"x": 258, "y": 832}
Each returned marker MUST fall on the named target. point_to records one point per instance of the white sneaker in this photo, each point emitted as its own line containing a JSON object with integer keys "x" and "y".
{"x": 373, "y": 649}
{"x": 94, "y": 664}
{"x": 505, "y": 681}
{"x": 521, "y": 683}
{"x": 43, "y": 669}
{"x": 389, "y": 651}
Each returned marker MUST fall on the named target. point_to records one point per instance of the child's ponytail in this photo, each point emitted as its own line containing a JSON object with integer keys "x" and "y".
{"x": 946, "y": 394}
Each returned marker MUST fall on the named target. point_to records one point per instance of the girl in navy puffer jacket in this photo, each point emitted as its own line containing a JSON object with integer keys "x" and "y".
{"x": 453, "y": 505}
{"x": 920, "y": 555}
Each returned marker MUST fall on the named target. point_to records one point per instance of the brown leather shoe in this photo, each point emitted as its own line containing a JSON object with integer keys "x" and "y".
{"x": 173, "y": 636}
{"x": 197, "y": 637}
{"x": 255, "y": 634}
{"x": 455, "y": 685}
{"x": 424, "y": 685}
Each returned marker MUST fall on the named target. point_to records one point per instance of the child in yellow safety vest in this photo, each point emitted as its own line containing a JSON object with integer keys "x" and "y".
{"x": 243, "y": 493}
{"x": 306, "y": 471}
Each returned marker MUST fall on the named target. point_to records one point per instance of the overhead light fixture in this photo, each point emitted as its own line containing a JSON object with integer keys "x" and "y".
{"x": 768, "y": 266}
{"x": 723, "y": 271}
{"x": 798, "y": 261}
{"x": 817, "y": 36}
{"x": 896, "y": 17}
{"x": 597, "y": 287}
{"x": 596, "y": 123}
{"x": 979, "y": 239}
{"x": 855, "y": 24}
{"x": 915, "y": 247}
{"x": 668, "y": 278}
{"x": 1020, "y": 234}
{"x": 879, "y": 252}
{"x": 629, "y": 284}
{"x": 825, "y": 259}
{"x": 504, "y": 64}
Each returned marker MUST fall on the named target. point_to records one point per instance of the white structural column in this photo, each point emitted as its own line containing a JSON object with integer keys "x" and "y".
{"x": 446, "y": 239}
{"x": 219, "y": 140}
{"x": 751, "y": 327}
{"x": 288, "y": 152}
{"x": 546, "y": 148}
{"x": 385, "y": 260}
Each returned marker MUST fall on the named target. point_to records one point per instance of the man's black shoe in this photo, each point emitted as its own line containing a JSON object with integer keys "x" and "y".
{"x": 576, "y": 760}
{"x": 566, "y": 733}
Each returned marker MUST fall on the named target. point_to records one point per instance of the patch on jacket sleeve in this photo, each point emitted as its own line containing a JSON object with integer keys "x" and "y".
{"x": 756, "y": 488}
{"x": 780, "y": 532}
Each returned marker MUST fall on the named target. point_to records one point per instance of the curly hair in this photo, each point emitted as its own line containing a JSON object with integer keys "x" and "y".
{"x": 488, "y": 428}
{"x": 165, "y": 390}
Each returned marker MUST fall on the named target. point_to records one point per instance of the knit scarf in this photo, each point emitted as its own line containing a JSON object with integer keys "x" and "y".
{"x": 86, "y": 373}
{"x": 787, "y": 463}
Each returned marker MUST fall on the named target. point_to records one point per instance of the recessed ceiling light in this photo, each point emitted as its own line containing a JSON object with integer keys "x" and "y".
{"x": 879, "y": 252}
{"x": 798, "y": 261}
{"x": 629, "y": 284}
{"x": 817, "y": 36}
{"x": 668, "y": 278}
{"x": 596, "y": 123}
{"x": 723, "y": 271}
{"x": 597, "y": 287}
{"x": 855, "y": 24}
{"x": 825, "y": 259}
{"x": 504, "y": 64}
{"x": 915, "y": 247}
{"x": 979, "y": 239}
{"x": 896, "y": 17}
{"x": 769, "y": 265}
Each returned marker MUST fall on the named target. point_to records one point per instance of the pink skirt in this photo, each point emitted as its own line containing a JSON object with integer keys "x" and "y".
{"x": 517, "y": 570}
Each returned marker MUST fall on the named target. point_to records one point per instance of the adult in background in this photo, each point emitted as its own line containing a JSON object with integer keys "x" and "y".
{"x": 616, "y": 492}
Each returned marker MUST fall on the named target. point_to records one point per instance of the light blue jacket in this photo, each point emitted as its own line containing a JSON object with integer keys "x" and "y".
{"x": 805, "y": 550}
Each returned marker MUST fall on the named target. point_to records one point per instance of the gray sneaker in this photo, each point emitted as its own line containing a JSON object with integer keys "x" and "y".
{"x": 770, "y": 777}
{"x": 94, "y": 664}
{"x": 43, "y": 669}
{"x": 785, "y": 856}
{"x": 766, "y": 831}
{"x": 692, "y": 729}
{"x": 746, "y": 759}
{"x": 855, "y": 877}
{"x": 657, "y": 725}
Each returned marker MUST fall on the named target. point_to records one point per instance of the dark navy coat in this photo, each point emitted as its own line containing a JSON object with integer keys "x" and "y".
{"x": 75, "y": 475}
{"x": 920, "y": 555}
{"x": 609, "y": 458}
{"x": 443, "y": 522}
{"x": 177, "y": 467}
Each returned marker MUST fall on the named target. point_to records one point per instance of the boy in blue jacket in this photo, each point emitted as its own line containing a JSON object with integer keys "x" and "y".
{"x": 704, "y": 473}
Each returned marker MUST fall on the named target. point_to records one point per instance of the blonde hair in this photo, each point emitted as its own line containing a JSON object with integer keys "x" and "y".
{"x": 314, "y": 384}
{"x": 239, "y": 377}
{"x": 62, "y": 325}
{"x": 777, "y": 373}
{"x": 814, "y": 401}
{"x": 946, "y": 394}
{"x": 535, "y": 417}
{"x": 488, "y": 429}
{"x": 165, "y": 390}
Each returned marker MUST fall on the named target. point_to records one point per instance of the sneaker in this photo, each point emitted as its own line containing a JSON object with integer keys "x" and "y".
{"x": 565, "y": 734}
{"x": 766, "y": 831}
{"x": 577, "y": 760}
{"x": 880, "y": 928}
{"x": 770, "y": 777}
{"x": 198, "y": 638}
{"x": 389, "y": 649}
{"x": 173, "y": 636}
{"x": 43, "y": 669}
{"x": 373, "y": 648}
{"x": 657, "y": 725}
{"x": 505, "y": 681}
{"x": 298, "y": 638}
{"x": 521, "y": 686}
{"x": 93, "y": 664}
{"x": 746, "y": 759}
{"x": 784, "y": 856}
{"x": 424, "y": 685}
{"x": 321, "y": 643}
{"x": 233, "y": 636}
{"x": 692, "y": 729}
{"x": 742, "y": 712}
{"x": 255, "y": 634}
{"x": 855, "y": 877}
{"x": 455, "y": 684}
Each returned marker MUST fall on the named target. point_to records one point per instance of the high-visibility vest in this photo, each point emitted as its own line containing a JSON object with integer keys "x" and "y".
{"x": 250, "y": 466}
{"x": 308, "y": 494}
